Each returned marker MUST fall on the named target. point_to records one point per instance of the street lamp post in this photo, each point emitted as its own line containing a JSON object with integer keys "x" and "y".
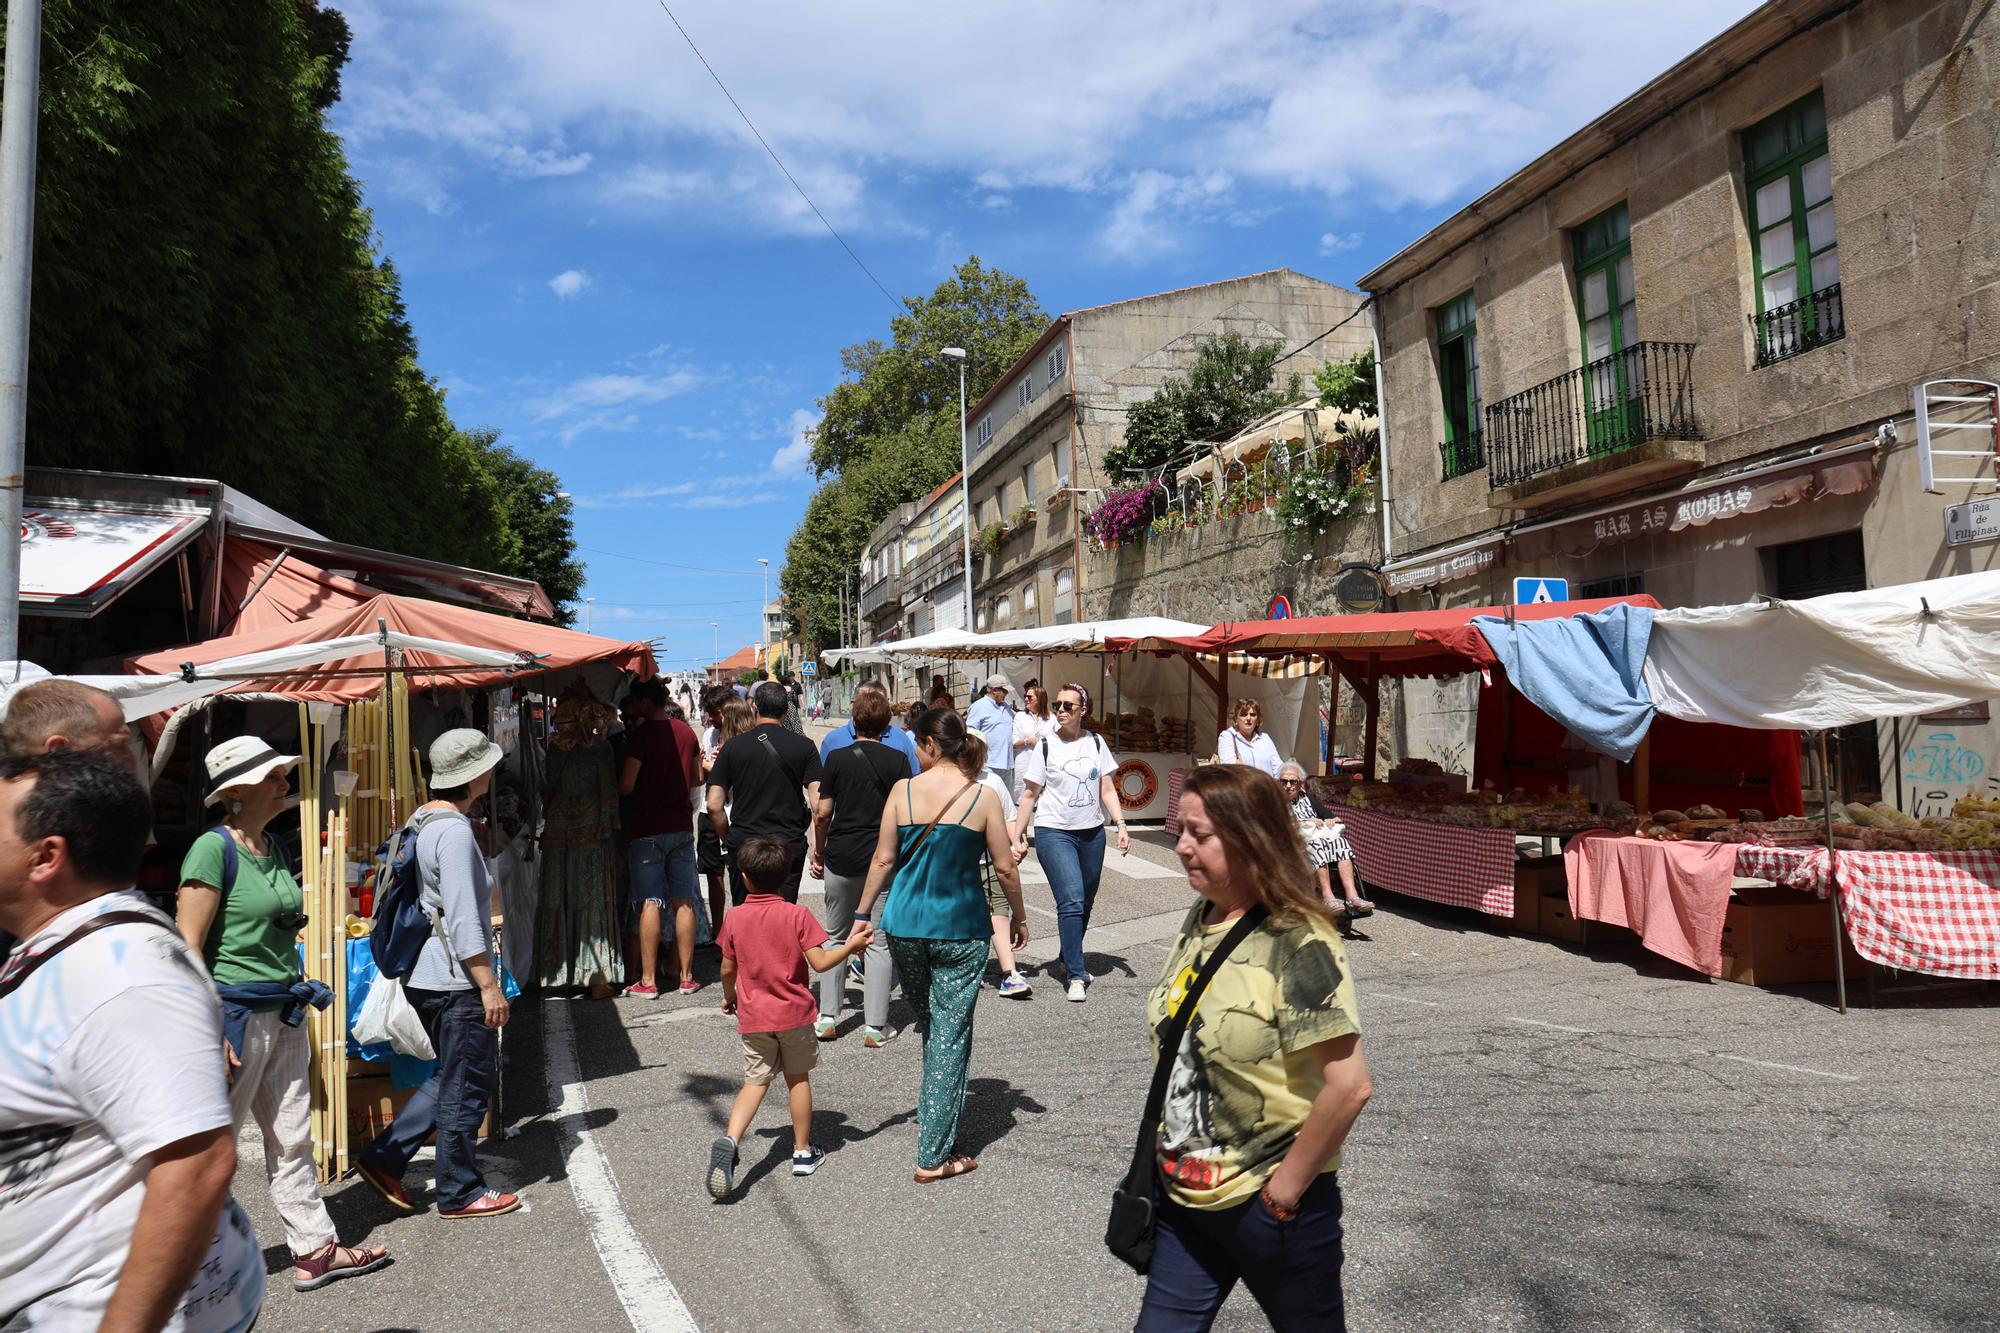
{"x": 18, "y": 134}
{"x": 589, "y": 615}
{"x": 958, "y": 354}
{"x": 764, "y": 615}
{"x": 715, "y": 638}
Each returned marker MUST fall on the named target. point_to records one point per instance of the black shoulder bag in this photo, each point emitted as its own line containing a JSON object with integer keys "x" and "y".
{"x": 1135, "y": 1203}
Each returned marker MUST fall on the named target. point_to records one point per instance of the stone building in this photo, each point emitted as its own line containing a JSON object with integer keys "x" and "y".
{"x": 1036, "y": 436}
{"x": 1677, "y": 353}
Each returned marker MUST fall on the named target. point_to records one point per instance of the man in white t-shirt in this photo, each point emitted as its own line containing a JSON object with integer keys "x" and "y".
{"x": 115, "y": 1146}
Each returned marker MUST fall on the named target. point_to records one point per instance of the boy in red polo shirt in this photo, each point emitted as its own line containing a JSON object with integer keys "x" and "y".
{"x": 767, "y": 944}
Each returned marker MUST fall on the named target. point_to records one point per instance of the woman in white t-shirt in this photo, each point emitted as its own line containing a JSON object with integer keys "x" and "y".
{"x": 1245, "y": 742}
{"x": 1068, "y": 790}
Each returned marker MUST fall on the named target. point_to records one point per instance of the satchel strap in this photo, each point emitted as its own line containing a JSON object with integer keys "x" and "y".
{"x": 930, "y": 827}
{"x": 1170, "y": 1040}
{"x": 14, "y": 977}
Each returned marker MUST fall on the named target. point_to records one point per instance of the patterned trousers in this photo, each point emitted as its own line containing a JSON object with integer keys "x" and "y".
{"x": 941, "y": 982}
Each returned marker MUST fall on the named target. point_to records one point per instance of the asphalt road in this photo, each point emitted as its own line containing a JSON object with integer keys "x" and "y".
{"x": 1558, "y": 1140}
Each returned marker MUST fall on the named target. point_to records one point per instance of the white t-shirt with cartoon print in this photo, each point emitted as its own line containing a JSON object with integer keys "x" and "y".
{"x": 109, "y": 1051}
{"x": 1072, "y": 798}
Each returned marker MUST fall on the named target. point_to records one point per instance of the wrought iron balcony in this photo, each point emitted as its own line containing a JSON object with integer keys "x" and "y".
{"x": 878, "y": 593}
{"x": 1799, "y": 326}
{"x": 1463, "y": 456}
{"x": 1643, "y": 392}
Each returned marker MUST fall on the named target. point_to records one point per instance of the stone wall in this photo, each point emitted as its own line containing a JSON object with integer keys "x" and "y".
{"x": 1910, "y": 93}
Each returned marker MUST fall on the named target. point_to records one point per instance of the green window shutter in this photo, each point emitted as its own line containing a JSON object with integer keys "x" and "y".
{"x": 1788, "y": 181}
{"x": 1458, "y": 377}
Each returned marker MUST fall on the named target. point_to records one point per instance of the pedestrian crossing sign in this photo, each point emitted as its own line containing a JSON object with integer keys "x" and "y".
{"x": 1535, "y": 591}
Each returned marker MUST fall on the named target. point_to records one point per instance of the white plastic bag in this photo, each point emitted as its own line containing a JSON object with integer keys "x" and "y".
{"x": 386, "y": 1015}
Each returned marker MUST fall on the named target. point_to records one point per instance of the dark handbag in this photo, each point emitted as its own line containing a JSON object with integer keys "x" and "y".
{"x": 1135, "y": 1203}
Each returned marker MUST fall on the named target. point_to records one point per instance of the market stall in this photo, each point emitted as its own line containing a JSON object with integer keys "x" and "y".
{"x": 1914, "y": 894}
{"x": 362, "y": 703}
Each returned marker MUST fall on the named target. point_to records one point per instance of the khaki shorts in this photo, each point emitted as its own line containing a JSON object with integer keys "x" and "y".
{"x": 768, "y": 1054}
{"x": 996, "y": 895}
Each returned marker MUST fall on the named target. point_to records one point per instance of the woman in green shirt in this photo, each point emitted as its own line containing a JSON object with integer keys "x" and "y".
{"x": 248, "y": 936}
{"x": 935, "y": 827}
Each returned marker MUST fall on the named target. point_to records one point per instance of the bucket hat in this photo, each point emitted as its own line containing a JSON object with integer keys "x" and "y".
{"x": 242, "y": 760}
{"x": 459, "y": 756}
{"x": 996, "y": 681}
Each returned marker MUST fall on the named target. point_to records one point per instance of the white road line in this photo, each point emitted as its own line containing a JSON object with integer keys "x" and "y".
{"x": 1402, "y": 999}
{"x": 1793, "y": 1069}
{"x": 651, "y": 1301}
{"x": 1559, "y": 1027}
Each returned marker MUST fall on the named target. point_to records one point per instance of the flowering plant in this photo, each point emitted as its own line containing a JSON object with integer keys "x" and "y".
{"x": 1312, "y": 501}
{"x": 1125, "y": 513}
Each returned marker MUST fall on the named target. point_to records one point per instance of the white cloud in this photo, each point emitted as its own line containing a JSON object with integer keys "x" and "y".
{"x": 569, "y": 283}
{"x": 1331, "y": 243}
{"x": 1286, "y": 98}
{"x": 633, "y": 495}
{"x": 605, "y": 391}
{"x": 726, "y": 501}
{"x": 795, "y": 459}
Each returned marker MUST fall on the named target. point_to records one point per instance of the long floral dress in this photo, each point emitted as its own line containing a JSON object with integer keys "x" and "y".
{"x": 577, "y": 939}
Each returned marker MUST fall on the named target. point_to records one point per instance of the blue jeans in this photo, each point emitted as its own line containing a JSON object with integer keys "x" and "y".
{"x": 1074, "y": 862}
{"x": 1292, "y": 1268}
{"x": 662, "y": 869}
{"x": 452, "y": 1101}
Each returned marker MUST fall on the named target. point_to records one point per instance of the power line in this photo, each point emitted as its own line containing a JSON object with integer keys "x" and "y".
{"x": 1351, "y": 317}
{"x": 780, "y": 161}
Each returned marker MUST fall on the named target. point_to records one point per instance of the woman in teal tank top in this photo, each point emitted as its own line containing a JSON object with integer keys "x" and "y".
{"x": 935, "y": 828}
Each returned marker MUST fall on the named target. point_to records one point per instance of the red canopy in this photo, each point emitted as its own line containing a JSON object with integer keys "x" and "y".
{"x": 1405, "y": 643}
{"x": 555, "y": 649}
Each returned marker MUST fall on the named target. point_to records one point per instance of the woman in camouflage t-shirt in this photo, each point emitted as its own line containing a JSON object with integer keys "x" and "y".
{"x": 1269, "y": 1078}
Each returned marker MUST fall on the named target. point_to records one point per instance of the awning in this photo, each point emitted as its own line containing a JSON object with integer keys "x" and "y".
{"x": 80, "y": 556}
{"x": 1403, "y": 643}
{"x": 1847, "y": 470}
{"x": 1093, "y": 636}
{"x": 388, "y": 572}
{"x": 1448, "y": 565}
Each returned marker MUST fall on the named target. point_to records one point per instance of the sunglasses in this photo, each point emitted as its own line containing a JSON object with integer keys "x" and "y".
{"x": 1291, "y": 782}
{"x": 1065, "y": 706}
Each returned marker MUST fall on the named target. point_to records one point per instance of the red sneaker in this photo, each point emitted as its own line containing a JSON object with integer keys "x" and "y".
{"x": 641, "y": 991}
{"x": 388, "y": 1187}
{"x": 690, "y": 986}
{"x": 490, "y": 1204}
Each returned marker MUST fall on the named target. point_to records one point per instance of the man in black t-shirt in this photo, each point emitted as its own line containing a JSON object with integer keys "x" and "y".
{"x": 762, "y": 778}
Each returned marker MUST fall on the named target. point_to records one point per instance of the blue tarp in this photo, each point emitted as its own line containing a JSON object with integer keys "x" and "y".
{"x": 1583, "y": 671}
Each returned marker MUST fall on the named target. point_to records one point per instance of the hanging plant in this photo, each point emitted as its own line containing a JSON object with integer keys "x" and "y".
{"x": 1125, "y": 513}
{"x": 991, "y": 536}
{"x": 1312, "y": 502}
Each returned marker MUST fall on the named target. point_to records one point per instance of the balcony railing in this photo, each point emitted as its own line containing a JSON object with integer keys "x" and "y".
{"x": 1799, "y": 326}
{"x": 1463, "y": 456}
{"x": 1643, "y": 392}
{"x": 882, "y": 590}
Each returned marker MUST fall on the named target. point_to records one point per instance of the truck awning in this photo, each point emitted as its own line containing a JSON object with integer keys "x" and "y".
{"x": 80, "y": 556}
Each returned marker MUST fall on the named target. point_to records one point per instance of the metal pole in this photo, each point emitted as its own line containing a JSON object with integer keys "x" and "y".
{"x": 18, "y": 116}
{"x": 965, "y": 494}
{"x": 1382, "y": 434}
{"x": 1832, "y": 879}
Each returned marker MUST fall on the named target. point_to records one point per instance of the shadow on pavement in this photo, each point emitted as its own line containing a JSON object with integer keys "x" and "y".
{"x": 993, "y": 1108}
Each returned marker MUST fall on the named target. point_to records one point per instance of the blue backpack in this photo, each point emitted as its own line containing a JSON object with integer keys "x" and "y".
{"x": 402, "y": 925}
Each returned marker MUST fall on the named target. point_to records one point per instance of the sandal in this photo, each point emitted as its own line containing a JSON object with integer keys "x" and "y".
{"x": 953, "y": 1166}
{"x": 334, "y": 1263}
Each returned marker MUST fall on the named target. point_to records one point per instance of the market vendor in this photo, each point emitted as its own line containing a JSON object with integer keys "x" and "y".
{"x": 1245, "y": 741}
{"x": 1591, "y": 772}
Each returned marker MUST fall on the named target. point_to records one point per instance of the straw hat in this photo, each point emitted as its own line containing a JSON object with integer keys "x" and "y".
{"x": 459, "y": 756}
{"x": 241, "y": 761}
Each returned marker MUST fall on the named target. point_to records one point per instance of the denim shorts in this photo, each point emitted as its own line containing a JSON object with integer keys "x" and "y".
{"x": 662, "y": 868}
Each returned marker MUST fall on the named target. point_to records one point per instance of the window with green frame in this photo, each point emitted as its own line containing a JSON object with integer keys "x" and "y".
{"x": 1788, "y": 179}
{"x": 1458, "y": 376}
{"x": 1608, "y": 310}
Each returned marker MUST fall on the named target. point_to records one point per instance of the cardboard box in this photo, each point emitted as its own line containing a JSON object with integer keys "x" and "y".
{"x": 1776, "y": 937}
{"x": 372, "y": 1104}
{"x": 1557, "y": 922}
{"x": 1533, "y": 881}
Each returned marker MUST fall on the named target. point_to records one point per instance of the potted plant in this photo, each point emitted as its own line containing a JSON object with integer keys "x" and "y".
{"x": 1312, "y": 502}
{"x": 991, "y": 536}
{"x": 1124, "y": 513}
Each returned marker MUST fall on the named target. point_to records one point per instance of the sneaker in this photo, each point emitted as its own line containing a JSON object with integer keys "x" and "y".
{"x": 639, "y": 990}
{"x": 876, "y": 1038}
{"x": 490, "y": 1204}
{"x": 826, "y": 1029}
{"x": 1076, "y": 992}
{"x": 690, "y": 986}
{"x": 721, "y": 1167}
{"x": 855, "y": 973}
{"x": 807, "y": 1162}
{"x": 1015, "y": 987}
{"x": 388, "y": 1187}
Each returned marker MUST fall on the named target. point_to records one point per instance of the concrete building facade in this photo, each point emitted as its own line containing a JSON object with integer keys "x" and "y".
{"x": 1678, "y": 353}
{"x": 1036, "y": 437}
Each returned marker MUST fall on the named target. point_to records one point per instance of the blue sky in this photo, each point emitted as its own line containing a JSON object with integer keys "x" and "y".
{"x": 600, "y": 262}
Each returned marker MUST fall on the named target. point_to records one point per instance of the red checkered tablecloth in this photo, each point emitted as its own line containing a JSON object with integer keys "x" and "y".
{"x": 1460, "y": 867}
{"x": 1931, "y": 912}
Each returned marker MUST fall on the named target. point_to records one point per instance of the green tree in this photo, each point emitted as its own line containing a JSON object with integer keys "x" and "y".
{"x": 988, "y": 312}
{"x": 890, "y": 429}
{"x": 208, "y": 298}
{"x": 1229, "y": 386}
